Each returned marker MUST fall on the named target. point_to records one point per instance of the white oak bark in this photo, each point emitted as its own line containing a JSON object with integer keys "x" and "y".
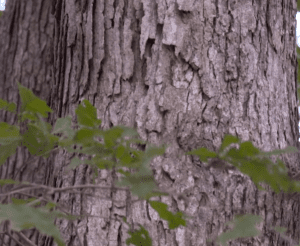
{"x": 184, "y": 73}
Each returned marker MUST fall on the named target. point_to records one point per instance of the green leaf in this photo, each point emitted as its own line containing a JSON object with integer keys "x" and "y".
{"x": 70, "y": 146}
{"x": 247, "y": 149}
{"x": 243, "y": 227}
{"x": 43, "y": 125}
{"x": 261, "y": 170}
{"x": 289, "y": 149}
{"x": 9, "y": 134}
{"x": 50, "y": 205}
{"x": 102, "y": 163}
{"x": 298, "y": 5}
{"x": 3, "y": 103}
{"x": 7, "y": 181}
{"x": 129, "y": 132}
{"x": 126, "y": 159}
{"x": 139, "y": 237}
{"x": 203, "y": 154}
{"x": 27, "y": 115}
{"x": 38, "y": 139}
{"x": 228, "y": 139}
{"x": 298, "y": 69}
{"x": 25, "y": 94}
{"x": 142, "y": 182}
{"x": 75, "y": 162}
{"x": 86, "y": 135}
{"x": 64, "y": 126}
{"x": 125, "y": 173}
{"x": 39, "y": 106}
{"x": 174, "y": 220}
{"x": 25, "y": 217}
{"x": 67, "y": 144}
{"x": 235, "y": 155}
{"x": 280, "y": 229}
{"x": 7, "y": 150}
{"x": 22, "y": 201}
{"x": 96, "y": 148}
{"x": 87, "y": 116}
{"x": 153, "y": 151}
{"x": 137, "y": 155}
{"x": 120, "y": 151}
{"x": 129, "y": 157}
{"x": 136, "y": 141}
{"x": 32, "y": 103}
{"x": 11, "y": 107}
{"x": 111, "y": 136}
{"x": 140, "y": 185}
{"x": 298, "y": 52}
{"x": 150, "y": 153}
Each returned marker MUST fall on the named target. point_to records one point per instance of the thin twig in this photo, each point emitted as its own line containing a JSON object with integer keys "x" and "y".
{"x": 21, "y": 235}
{"x": 77, "y": 193}
{"x": 52, "y": 189}
{"x": 13, "y": 238}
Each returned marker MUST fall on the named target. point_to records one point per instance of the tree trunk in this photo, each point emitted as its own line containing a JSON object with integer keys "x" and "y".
{"x": 184, "y": 73}
{"x": 27, "y": 29}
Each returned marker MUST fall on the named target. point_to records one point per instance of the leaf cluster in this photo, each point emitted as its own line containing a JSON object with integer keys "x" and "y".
{"x": 111, "y": 149}
{"x": 251, "y": 161}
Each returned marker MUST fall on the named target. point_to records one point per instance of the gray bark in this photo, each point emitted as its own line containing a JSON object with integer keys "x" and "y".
{"x": 26, "y": 44}
{"x": 184, "y": 73}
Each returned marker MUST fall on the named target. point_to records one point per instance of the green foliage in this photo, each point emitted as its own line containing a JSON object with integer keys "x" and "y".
{"x": 9, "y": 140}
{"x": 87, "y": 116}
{"x": 139, "y": 237}
{"x": 242, "y": 227}
{"x": 203, "y": 154}
{"x": 11, "y": 107}
{"x": 227, "y": 141}
{"x": 9, "y": 134}
{"x": 174, "y": 220}
{"x": 254, "y": 163}
{"x": 31, "y": 103}
{"x": 281, "y": 231}
{"x": 40, "y": 140}
{"x": 8, "y": 181}
{"x": 64, "y": 126}
{"x": 23, "y": 217}
{"x": 25, "y": 201}
{"x": 113, "y": 151}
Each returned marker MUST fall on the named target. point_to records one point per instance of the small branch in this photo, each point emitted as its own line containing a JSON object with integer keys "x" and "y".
{"x": 51, "y": 190}
{"x": 21, "y": 235}
{"x": 13, "y": 238}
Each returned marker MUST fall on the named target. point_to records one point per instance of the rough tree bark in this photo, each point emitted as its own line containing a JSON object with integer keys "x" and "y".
{"x": 182, "y": 72}
{"x": 27, "y": 29}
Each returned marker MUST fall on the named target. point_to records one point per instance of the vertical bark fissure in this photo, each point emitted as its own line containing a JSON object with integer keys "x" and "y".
{"x": 243, "y": 70}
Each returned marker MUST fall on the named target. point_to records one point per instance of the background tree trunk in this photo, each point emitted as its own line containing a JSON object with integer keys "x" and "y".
{"x": 27, "y": 29}
{"x": 184, "y": 73}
